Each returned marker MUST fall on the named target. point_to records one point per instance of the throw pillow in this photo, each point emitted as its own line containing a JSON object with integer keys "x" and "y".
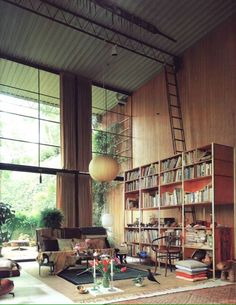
{"x": 50, "y": 245}
{"x": 65, "y": 244}
{"x": 79, "y": 244}
{"x": 191, "y": 264}
{"x": 95, "y": 243}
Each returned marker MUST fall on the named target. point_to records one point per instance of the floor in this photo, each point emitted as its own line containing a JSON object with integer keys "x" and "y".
{"x": 32, "y": 289}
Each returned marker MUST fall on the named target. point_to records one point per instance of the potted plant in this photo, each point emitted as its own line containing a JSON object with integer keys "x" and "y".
{"x": 6, "y": 216}
{"x": 51, "y": 218}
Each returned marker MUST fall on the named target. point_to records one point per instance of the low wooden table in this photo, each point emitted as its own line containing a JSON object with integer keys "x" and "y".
{"x": 18, "y": 243}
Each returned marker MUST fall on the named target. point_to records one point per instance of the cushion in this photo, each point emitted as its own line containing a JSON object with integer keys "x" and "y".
{"x": 50, "y": 245}
{"x": 79, "y": 244}
{"x": 65, "y": 244}
{"x": 193, "y": 279}
{"x": 190, "y": 264}
{"x": 95, "y": 243}
{"x": 5, "y": 264}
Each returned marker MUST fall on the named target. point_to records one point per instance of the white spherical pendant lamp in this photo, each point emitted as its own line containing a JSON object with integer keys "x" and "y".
{"x": 103, "y": 168}
{"x": 107, "y": 220}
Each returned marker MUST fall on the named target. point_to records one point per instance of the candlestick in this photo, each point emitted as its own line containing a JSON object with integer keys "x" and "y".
{"x": 112, "y": 266}
{"x": 94, "y": 268}
{"x": 112, "y": 274}
{"x": 94, "y": 275}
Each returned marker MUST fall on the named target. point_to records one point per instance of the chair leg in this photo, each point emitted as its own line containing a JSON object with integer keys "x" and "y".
{"x": 166, "y": 265}
{"x": 155, "y": 264}
{"x": 170, "y": 263}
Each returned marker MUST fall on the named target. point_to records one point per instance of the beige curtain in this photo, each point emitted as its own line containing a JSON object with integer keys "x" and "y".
{"x": 74, "y": 191}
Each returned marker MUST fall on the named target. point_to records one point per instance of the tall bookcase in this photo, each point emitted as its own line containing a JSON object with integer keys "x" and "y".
{"x": 190, "y": 195}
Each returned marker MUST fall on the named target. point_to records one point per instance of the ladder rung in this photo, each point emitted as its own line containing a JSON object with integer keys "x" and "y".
{"x": 172, "y": 73}
{"x": 173, "y": 94}
{"x": 180, "y": 140}
{"x": 174, "y": 106}
{"x": 176, "y": 117}
{"x": 177, "y": 128}
{"x": 172, "y": 84}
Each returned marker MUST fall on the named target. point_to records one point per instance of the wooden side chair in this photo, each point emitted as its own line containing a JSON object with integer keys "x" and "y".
{"x": 167, "y": 248}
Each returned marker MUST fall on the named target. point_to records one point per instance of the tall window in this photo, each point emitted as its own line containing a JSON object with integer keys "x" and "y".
{"x": 29, "y": 135}
{"x": 29, "y": 116}
{"x": 111, "y": 134}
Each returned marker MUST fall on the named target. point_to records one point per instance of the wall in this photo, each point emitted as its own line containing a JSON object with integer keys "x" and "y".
{"x": 207, "y": 85}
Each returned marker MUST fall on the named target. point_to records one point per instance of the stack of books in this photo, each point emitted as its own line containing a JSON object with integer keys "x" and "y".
{"x": 191, "y": 270}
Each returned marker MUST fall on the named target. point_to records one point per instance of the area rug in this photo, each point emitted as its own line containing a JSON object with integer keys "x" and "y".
{"x": 73, "y": 276}
{"x": 135, "y": 297}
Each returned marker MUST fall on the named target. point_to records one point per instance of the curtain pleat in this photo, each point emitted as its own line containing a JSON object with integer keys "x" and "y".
{"x": 74, "y": 191}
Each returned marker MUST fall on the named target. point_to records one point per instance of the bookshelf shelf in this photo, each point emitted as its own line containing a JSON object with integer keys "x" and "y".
{"x": 196, "y": 186}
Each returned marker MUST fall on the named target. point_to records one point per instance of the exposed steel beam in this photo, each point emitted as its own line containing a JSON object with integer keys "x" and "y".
{"x": 79, "y": 22}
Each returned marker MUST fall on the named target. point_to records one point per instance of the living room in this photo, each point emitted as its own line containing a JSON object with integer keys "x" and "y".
{"x": 114, "y": 99}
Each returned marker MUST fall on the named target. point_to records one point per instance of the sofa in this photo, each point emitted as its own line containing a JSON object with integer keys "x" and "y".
{"x": 61, "y": 248}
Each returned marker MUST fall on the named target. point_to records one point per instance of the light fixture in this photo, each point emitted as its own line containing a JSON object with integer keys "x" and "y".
{"x": 104, "y": 168}
{"x": 107, "y": 220}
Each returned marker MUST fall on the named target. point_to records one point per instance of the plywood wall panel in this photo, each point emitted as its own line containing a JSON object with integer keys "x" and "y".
{"x": 207, "y": 87}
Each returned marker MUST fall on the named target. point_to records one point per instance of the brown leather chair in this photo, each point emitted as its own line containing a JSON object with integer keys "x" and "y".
{"x": 167, "y": 248}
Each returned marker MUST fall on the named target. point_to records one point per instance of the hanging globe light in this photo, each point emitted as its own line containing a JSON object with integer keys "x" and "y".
{"x": 103, "y": 168}
{"x": 107, "y": 220}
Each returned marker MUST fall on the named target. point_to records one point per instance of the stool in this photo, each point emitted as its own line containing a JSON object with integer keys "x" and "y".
{"x": 6, "y": 286}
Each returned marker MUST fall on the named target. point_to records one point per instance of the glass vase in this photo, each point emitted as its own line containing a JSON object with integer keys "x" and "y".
{"x": 105, "y": 281}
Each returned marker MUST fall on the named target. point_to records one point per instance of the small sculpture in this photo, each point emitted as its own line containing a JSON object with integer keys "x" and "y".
{"x": 138, "y": 281}
{"x": 228, "y": 271}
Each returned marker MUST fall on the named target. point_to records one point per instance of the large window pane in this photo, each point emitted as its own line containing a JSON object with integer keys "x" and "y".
{"x": 18, "y": 127}
{"x": 49, "y": 133}
{"x": 18, "y": 152}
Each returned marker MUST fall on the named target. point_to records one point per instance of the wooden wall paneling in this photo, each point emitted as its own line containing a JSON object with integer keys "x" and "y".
{"x": 116, "y": 208}
{"x": 151, "y": 132}
{"x": 207, "y": 88}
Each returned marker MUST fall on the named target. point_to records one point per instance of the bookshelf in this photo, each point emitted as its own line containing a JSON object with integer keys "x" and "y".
{"x": 190, "y": 195}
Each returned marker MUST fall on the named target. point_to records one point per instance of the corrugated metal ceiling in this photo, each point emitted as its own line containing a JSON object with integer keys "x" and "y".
{"x": 40, "y": 41}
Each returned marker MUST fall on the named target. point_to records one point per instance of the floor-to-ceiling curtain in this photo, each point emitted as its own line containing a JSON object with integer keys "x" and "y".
{"x": 74, "y": 191}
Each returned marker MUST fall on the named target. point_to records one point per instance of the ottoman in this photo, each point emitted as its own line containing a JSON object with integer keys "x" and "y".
{"x": 6, "y": 286}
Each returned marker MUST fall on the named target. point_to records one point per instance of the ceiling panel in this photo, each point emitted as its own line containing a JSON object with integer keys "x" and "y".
{"x": 37, "y": 40}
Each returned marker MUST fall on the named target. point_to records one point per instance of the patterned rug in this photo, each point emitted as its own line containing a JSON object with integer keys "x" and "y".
{"x": 216, "y": 295}
{"x": 77, "y": 277}
{"x": 197, "y": 294}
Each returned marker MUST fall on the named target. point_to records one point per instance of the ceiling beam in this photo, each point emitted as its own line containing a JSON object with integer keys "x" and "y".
{"x": 116, "y": 10}
{"x": 66, "y": 17}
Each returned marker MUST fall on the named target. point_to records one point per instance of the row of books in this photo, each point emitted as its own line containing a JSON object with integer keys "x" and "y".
{"x": 203, "y": 195}
{"x": 147, "y": 236}
{"x": 150, "y": 181}
{"x": 150, "y": 200}
{"x": 169, "y": 198}
{"x": 199, "y": 170}
{"x": 132, "y": 186}
{"x": 197, "y": 155}
{"x": 173, "y": 176}
{"x": 131, "y": 236}
{"x": 171, "y": 163}
{"x": 135, "y": 174}
{"x": 152, "y": 169}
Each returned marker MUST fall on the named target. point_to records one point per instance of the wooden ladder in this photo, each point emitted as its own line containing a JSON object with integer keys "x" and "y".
{"x": 176, "y": 121}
